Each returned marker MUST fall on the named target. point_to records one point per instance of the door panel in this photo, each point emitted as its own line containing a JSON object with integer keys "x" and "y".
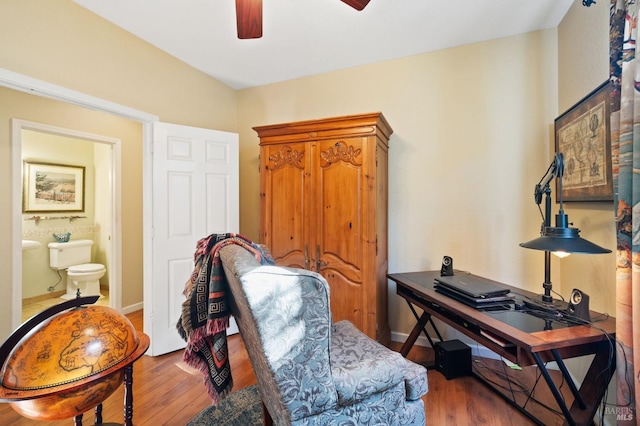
{"x": 339, "y": 196}
{"x": 340, "y": 203}
{"x": 218, "y": 215}
{"x": 195, "y": 193}
{"x": 286, "y": 210}
{"x": 179, "y": 210}
{"x": 177, "y": 271}
{"x": 339, "y": 232}
{"x": 346, "y": 297}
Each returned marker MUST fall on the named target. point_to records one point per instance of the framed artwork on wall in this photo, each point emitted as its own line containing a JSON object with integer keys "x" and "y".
{"x": 582, "y": 134}
{"x": 51, "y": 187}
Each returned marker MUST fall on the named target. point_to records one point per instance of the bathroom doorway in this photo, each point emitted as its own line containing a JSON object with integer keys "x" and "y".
{"x": 99, "y": 157}
{"x": 76, "y": 110}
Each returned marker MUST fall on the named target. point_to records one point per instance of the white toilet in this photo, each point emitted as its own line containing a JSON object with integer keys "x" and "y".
{"x": 75, "y": 258}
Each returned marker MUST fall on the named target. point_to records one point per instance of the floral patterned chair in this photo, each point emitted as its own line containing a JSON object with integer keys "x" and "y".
{"x": 311, "y": 371}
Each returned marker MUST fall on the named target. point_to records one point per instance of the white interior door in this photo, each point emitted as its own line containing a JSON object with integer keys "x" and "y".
{"x": 195, "y": 193}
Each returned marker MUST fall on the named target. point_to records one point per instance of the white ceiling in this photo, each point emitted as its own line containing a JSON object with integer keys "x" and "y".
{"x": 307, "y": 37}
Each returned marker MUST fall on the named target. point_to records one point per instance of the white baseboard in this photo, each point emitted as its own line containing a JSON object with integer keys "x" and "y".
{"x": 476, "y": 349}
{"x": 132, "y": 308}
{"x": 401, "y": 337}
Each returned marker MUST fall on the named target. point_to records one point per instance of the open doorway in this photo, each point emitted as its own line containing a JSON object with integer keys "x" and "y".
{"x": 92, "y": 217}
{"x": 138, "y": 248}
{"x": 77, "y": 114}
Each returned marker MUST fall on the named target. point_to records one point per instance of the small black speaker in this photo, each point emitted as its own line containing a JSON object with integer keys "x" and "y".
{"x": 453, "y": 358}
{"x": 447, "y": 267}
{"x": 579, "y": 305}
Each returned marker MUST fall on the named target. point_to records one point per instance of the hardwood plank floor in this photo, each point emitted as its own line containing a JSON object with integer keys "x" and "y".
{"x": 167, "y": 393}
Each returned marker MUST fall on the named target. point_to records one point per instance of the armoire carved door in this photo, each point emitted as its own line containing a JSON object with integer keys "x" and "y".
{"x": 323, "y": 207}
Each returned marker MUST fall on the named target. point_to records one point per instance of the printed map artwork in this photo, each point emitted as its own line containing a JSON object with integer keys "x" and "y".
{"x": 583, "y": 143}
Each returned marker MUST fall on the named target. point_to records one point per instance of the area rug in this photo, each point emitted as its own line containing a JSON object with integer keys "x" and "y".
{"x": 240, "y": 408}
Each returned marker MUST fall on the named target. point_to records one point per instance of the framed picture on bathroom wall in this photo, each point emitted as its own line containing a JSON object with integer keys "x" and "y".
{"x": 51, "y": 187}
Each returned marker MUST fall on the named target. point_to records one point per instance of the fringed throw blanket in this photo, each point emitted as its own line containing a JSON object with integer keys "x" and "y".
{"x": 205, "y": 313}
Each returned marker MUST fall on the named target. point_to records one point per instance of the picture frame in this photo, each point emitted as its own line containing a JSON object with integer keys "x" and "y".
{"x": 583, "y": 136}
{"x": 49, "y": 187}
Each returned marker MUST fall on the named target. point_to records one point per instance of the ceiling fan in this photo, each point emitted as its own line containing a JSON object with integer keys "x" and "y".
{"x": 249, "y": 16}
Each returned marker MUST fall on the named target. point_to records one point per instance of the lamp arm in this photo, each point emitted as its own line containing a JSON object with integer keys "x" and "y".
{"x": 546, "y": 297}
{"x": 547, "y": 208}
{"x": 555, "y": 171}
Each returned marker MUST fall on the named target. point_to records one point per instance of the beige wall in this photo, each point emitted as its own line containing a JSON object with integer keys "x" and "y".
{"x": 583, "y": 64}
{"x": 61, "y": 43}
{"x": 473, "y": 135}
{"x": 14, "y": 104}
{"x": 471, "y": 140}
{"x": 473, "y": 132}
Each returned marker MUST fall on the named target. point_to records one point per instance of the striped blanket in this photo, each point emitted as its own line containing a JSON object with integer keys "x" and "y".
{"x": 205, "y": 313}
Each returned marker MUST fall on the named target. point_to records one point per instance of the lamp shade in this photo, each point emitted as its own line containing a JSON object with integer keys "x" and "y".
{"x": 564, "y": 239}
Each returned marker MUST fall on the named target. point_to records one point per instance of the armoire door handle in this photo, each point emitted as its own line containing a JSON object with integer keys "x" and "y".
{"x": 319, "y": 263}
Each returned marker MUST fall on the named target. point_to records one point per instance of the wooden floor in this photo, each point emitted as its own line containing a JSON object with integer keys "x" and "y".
{"x": 166, "y": 393}
{"x": 32, "y": 307}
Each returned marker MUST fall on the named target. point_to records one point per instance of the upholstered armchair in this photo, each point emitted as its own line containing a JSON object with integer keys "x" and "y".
{"x": 309, "y": 370}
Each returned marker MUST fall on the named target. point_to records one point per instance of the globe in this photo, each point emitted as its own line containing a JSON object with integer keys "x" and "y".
{"x": 70, "y": 362}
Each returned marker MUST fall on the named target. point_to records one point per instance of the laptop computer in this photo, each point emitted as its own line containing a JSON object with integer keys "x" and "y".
{"x": 481, "y": 303}
{"x": 482, "y": 299}
{"x": 472, "y": 285}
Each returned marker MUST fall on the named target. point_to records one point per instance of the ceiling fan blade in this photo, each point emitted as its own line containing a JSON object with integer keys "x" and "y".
{"x": 249, "y": 18}
{"x": 357, "y": 4}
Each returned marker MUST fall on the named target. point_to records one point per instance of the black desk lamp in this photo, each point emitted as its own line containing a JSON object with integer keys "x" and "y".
{"x": 560, "y": 239}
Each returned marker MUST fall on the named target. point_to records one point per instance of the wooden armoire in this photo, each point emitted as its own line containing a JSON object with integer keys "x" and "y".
{"x": 323, "y": 207}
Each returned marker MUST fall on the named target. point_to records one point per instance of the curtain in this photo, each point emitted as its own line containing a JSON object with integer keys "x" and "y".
{"x": 625, "y": 150}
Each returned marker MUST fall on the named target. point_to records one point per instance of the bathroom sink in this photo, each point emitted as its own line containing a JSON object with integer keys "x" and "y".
{"x": 29, "y": 245}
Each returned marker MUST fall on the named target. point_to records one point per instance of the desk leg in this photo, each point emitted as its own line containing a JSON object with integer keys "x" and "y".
{"x": 554, "y": 389}
{"x": 429, "y": 320}
{"x": 595, "y": 383}
{"x": 420, "y": 326}
{"x": 568, "y": 379}
{"x": 408, "y": 344}
{"x": 592, "y": 389}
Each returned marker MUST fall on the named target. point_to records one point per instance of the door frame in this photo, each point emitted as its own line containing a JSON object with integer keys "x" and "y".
{"x": 37, "y": 87}
{"x": 114, "y": 248}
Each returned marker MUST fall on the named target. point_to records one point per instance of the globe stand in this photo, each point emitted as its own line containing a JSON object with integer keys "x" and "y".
{"x": 128, "y": 404}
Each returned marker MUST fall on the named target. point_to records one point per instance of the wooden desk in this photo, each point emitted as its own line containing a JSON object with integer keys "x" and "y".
{"x": 521, "y": 338}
